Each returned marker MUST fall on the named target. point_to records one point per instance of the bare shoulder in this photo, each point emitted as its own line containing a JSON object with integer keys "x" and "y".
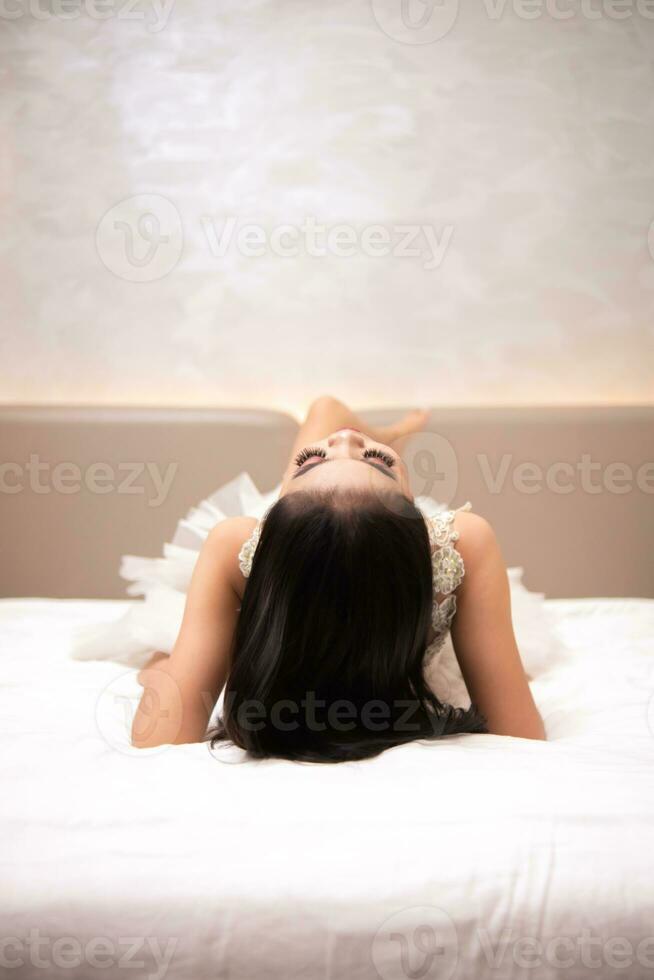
{"x": 231, "y": 532}
{"x": 224, "y": 543}
{"x": 477, "y": 538}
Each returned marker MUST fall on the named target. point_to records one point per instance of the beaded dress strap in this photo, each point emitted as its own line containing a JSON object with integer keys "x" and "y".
{"x": 248, "y": 548}
{"x": 448, "y": 571}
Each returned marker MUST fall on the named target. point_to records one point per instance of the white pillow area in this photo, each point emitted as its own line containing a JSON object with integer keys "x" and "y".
{"x": 153, "y": 623}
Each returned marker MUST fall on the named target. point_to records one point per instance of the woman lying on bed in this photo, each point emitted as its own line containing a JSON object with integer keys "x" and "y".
{"x": 319, "y": 620}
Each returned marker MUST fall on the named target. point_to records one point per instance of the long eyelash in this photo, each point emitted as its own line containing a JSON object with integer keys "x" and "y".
{"x": 305, "y": 454}
{"x": 378, "y": 454}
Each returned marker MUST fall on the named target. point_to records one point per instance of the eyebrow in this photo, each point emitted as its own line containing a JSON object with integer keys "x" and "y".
{"x": 320, "y": 462}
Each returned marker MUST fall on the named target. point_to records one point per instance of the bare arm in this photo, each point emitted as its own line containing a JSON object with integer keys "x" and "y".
{"x": 180, "y": 691}
{"x": 482, "y": 634}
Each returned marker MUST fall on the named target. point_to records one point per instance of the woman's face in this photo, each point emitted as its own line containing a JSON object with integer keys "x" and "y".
{"x": 347, "y": 458}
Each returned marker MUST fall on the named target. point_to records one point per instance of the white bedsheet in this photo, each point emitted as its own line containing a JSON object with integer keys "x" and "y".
{"x": 516, "y": 858}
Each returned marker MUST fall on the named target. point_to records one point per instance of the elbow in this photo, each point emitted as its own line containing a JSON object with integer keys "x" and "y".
{"x": 527, "y": 726}
{"x": 144, "y": 734}
{"x": 158, "y": 718}
{"x": 533, "y": 728}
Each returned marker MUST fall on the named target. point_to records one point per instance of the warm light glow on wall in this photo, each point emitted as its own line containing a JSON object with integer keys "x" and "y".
{"x": 484, "y": 199}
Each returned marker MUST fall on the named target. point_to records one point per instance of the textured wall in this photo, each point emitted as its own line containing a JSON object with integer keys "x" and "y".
{"x": 515, "y": 143}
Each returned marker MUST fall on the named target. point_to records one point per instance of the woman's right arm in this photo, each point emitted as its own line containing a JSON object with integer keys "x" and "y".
{"x": 179, "y": 693}
{"x": 483, "y": 637}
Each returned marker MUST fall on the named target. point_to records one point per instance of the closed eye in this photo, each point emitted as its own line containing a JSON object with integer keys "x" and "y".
{"x": 386, "y": 458}
{"x": 381, "y": 467}
{"x": 307, "y": 453}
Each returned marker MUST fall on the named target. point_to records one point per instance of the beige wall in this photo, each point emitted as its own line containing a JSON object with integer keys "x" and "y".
{"x": 525, "y": 145}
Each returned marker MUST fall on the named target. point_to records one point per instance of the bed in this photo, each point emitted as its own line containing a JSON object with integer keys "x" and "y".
{"x": 475, "y": 856}
{"x": 500, "y": 852}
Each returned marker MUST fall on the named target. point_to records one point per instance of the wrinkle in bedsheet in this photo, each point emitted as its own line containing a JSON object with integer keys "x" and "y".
{"x": 499, "y": 852}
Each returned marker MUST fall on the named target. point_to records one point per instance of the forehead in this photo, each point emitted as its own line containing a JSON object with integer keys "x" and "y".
{"x": 337, "y": 470}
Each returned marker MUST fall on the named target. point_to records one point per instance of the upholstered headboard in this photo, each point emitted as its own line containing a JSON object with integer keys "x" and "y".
{"x": 156, "y": 463}
{"x": 570, "y": 491}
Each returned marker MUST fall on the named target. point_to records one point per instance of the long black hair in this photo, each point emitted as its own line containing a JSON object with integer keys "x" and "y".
{"x": 327, "y": 660}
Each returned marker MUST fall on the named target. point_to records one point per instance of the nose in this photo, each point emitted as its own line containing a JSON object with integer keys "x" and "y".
{"x": 347, "y": 439}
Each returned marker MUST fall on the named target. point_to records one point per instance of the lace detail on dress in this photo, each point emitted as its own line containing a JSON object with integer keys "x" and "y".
{"x": 248, "y": 548}
{"x": 447, "y": 571}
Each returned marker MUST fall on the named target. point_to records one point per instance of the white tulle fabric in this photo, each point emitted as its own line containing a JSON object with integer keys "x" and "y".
{"x": 153, "y": 623}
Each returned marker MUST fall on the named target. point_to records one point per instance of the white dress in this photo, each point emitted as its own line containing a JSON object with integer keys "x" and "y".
{"x": 153, "y": 623}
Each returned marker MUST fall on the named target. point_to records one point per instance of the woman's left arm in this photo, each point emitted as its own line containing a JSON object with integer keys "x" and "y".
{"x": 483, "y": 638}
{"x": 180, "y": 691}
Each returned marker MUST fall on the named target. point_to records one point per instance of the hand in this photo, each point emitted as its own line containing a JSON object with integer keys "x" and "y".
{"x": 397, "y": 433}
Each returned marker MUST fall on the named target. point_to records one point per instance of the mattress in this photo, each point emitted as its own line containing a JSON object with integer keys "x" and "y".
{"x": 475, "y": 856}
